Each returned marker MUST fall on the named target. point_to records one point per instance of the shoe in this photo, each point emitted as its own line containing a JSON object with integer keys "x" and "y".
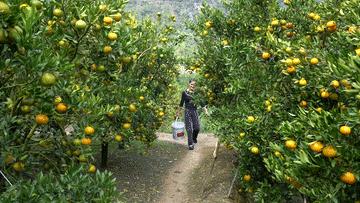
{"x": 195, "y": 141}
{"x": 191, "y": 147}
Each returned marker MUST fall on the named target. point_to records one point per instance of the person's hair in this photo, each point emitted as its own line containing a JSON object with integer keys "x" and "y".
{"x": 192, "y": 80}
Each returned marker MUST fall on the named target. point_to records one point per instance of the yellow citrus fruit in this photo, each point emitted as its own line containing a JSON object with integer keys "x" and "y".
{"x": 254, "y": 150}
{"x": 61, "y": 108}
{"x": 4, "y": 8}
{"x": 107, "y": 49}
{"x": 324, "y": 94}
{"x": 317, "y": 17}
{"x": 112, "y": 36}
{"x": 126, "y": 125}
{"x": 250, "y": 119}
{"x": 290, "y": 144}
{"x": 348, "y": 178}
{"x": 288, "y": 50}
{"x": 289, "y": 62}
{"x": 141, "y": 98}
{"x": 357, "y": 51}
{"x": 118, "y": 138}
{"x": 58, "y": 12}
{"x": 319, "y": 109}
{"x": 77, "y": 142}
{"x": 103, "y": 7}
{"x": 312, "y": 15}
{"x": 85, "y": 141}
{"x": 18, "y": 166}
{"x": 48, "y": 79}
{"x": 161, "y": 113}
{"x": 275, "y": 23}
{"x": 316, "y": 146}
{"x": 80, "y": 24}
{"x": 117, "y": 17}
{"x": 303, "y": 104}
{"x": 268, "y": 108}
{"x": 208, "y": 24}
{"x": 132, "y": 108}
{"x": 89, "y": 130}
{"x": 267, "y": 103}
{"x": 257, "y": 29}
{"x": 92, "y": 168}
{"x": 329, "y": 151}
{"x": 314, "y": 61}
{"x": 265, "y": 55}
{"x": 42, "y": 119}
{"x": 25, "y": 109}
{"x": 225, "y": 42}
{"x": 302, "y": 82}
{"x": 247, "y": 178}
{"x": 291, "y": 69}
{"x": 107, "y": 20}
{"x": 82, "y": 158}
{"x": 277, "y": 154}
{"x": 335, "y": 84}
{"x": 331, "y": 26}
{"x": 345, "y": 130}
{"x": 296, "y": 61}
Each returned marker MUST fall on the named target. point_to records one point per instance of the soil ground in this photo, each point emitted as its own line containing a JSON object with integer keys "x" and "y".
{"x": 170, "y": 173}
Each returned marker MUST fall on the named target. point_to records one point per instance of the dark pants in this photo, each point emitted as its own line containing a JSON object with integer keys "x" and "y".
{"x": 192, "y": 125}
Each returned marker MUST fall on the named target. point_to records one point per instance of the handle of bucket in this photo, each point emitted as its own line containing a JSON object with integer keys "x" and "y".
{"x": 176, "y": 119}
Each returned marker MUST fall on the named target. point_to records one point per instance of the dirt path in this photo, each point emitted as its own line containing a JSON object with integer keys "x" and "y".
{"x": 188, "y": 178}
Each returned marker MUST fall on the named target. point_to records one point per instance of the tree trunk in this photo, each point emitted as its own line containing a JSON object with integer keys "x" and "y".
{"x": 104, "y": 154}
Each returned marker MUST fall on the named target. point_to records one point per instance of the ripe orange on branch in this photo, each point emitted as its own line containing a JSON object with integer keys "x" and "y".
{"x": 348, "y": 178}
{"x": 42, "y": 119}
{"x": 89, "y": 130}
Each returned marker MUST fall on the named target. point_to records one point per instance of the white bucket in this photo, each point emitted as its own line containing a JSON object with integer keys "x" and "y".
{"x": 178, "y": 129}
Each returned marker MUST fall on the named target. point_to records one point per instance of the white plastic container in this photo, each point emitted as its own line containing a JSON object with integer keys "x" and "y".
{"x": 178, "y": 129}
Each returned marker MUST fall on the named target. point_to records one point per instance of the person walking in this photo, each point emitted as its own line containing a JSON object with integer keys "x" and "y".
{"x": 192, "y": 123}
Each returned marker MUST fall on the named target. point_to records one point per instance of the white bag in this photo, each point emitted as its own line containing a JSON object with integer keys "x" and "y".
{"x": 178, "y": 129}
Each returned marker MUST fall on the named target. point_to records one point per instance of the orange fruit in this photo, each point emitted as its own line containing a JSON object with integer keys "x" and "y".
{"x": 112, "y": 36}
{"x": 290, "y": 144}
{"x": 4, "y": 8}
{"x": 257, "y": 29}
{"x": 329, "y": 151}
{"x": 117, "y": 17}
{"x": 89, "y": 130}
{"x": 348, "y": 178}
{"x": 291, "y": 70}
{"x": 357, "y": 51}
{"x": 208, "y": 24}
{"x": 335, "y": 84}
{"x": 265, "y": 55}
{"x": 161, "y": 114}
{"x": 316, "y": 146}
{"x": 303, "y": 104}
{"x": 107, "y": 49}
{"x": 254, "y": 150}
{"x": 324, "y": 94}
{"x": 345, "y": 130}
{"x": 314, "y": 61}
{"x": 85, "y": 141}
{"x": 302, "y": 82}
{"x": 42, "y": 119}
{"x": 132, "y": 108}
{"x": 107, "y": 20}
{"x": 319, "y": 109}
{"x": 247, "y": 178}
{"x": 48, "y": 79}
{"x": 296, "y": 61}
{"x": 118, "y": 138}
{"x": 92, "y": 168}
{"x": 250, "y": 119}
{"x": 58, "y": 12}
{"x": 126, "y": 125}
{"x": 80, "y": 24}
{"x": 141, "y": 98}
{"x": 18, "y": 166}
{"x": 61, "y": 108}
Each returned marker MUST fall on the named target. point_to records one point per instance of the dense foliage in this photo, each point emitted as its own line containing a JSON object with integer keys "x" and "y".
{"x": 284, "y": 83}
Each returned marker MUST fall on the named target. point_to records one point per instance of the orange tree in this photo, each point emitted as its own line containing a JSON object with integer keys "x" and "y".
{"x": 75, "y": 74}
{"x": 283, "y": 81}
